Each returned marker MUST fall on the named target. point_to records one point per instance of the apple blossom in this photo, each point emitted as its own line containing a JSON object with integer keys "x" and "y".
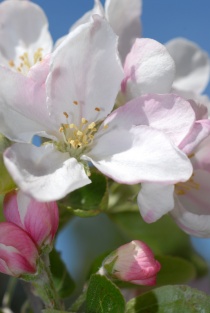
{"x": 70, "y": 108}
{"x": 24, "y": 35}
{"x": 18, "y": 253}
{"x": 124, "y": 18}
{"x": 192, "y": 69}
{"x": 39, "y": 220}
{"x": 186, "y": 201}
{"x": 133, "y": 262}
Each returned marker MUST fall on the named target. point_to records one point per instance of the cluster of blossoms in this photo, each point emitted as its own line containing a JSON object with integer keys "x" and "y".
{"x": 104, "y": 97}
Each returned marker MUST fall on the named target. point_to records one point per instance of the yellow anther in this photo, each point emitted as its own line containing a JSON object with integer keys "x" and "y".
{"x": 61, "y": 129}
{"x": 11, "y": 63}
{"x": 91, "y": 125}
{"x": 84, "y": 121}
{"x": 72, "y": 126}
{"x": 66, "y": 126}
{"x": 97, "y": 109}
{"x": 65, "y": 114}
{"x": 75, "y": 102}
{"x": 106, "y": 126}
{"x": 79, "y": 133}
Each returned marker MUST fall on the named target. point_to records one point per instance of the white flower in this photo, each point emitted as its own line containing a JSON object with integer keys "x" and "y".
{"x": 69, "y": 108}
{"x": 24, "y": 35}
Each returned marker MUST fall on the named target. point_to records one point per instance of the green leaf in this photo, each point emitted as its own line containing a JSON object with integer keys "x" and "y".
{"x": 89, "y": 200}
{"x": 173, "y": 299}
{"x": 174, "y": 270}
{"x": 61, "y": 278}
{"x": 103, "y": 296}
{"x": 163, "y": 236}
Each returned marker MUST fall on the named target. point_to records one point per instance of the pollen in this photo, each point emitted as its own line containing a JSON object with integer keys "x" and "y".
{"x": 183, "y": 188}
{"x": 65, "y": 114}
{"x": 78, "y": 136}
{"x": 26, "y": 62}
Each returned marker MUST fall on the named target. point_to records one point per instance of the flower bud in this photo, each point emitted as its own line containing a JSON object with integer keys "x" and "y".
{"x": 133, "y": 262}
{"x": 18, "y": 253}
{"x": 38, "y": 219}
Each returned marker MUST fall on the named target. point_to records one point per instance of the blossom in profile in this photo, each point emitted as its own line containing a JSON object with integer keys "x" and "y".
{"x": 18, "y": 253}
{"x": 38, "y": 219}
{"x": 24, "y": 35}
{"x": 133, "y": 262}
{"x": 192, "y": 69}
{"x": 187, "y": 202}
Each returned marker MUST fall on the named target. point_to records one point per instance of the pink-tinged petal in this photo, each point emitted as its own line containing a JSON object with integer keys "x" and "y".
{"x": 124, "y": 18}
{"x": 192, "y": 65}
{"x": 200, "y": 131}
{"x": 23, "y": 111}
{"x": 38, "y": 219}
{"x": 85, "y": 73}
{"x": 168, "y": 113}
{"x": 11, "y": 210}
{"x": 133, "y": 262}
{"x": 201, "y": 111}
{"x": 23, "y": 28}
{"x": 148, "y": 68}
{"x": 191, "y": 211}
{"x": 200, "y": 157}
{"x": 138, "y": 154}
{"x": 43, "y": 172}
{"x": 18, "y": 252}
{"x": 155, "y": 200}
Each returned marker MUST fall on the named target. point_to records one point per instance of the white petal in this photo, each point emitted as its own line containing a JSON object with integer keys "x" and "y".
{"x": 86, "y": 69}
{"x": 23, "y": 110}
{"x": 148, "y": 68}
{"x": 44, "y": 173}
{"x": 97, "y": 9}
{"x": 155, "y": 200}
{"x": 124, "y": 17}
{"x": 23, "y": 28}
{"x": 192, "y": 65}
{"x": 138, "y": 154}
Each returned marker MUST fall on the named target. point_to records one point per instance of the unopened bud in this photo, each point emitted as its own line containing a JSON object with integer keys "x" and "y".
{"x": 133, "y": 262}
{"x": 38, "y": 219}
{"x": 18, "y": 253}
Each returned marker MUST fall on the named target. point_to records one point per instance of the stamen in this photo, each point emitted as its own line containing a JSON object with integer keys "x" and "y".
{"x": 65, "y": 114}
{"x": 11, "y": 63}
{"x": 91, "y": 125}
{"x": 182, "y": 188}
{"x": 75, "y": 102}
{"x": 61, "y": 130}
{"x": 97, "y": 109}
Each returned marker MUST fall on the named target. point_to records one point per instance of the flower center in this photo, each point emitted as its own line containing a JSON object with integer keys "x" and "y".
{"x": 77, "y": 137}
{"x": 26, "y": 62}
{"x": 183, "y": 188}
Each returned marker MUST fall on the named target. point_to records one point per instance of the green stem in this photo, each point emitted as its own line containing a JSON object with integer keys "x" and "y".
{"x": 6, "y": 301}
{"x": 79, "y": 302}
{"x": 44, "y": 287}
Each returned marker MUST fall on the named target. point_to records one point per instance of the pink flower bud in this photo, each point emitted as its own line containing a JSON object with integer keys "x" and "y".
{"x": 133, "y": 262}
{"x": 18, "y": 253}
{"x": 38, "y": 219}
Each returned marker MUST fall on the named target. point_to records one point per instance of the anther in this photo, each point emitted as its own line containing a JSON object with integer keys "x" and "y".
{"x": 84, "y": 121}
{"x": 11, "y": 63}
{"x": 91, "y": 125}
{"x": 65, "y": 114}
{"x": 75, "y": 102}
{"x": 97, "y": 109}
